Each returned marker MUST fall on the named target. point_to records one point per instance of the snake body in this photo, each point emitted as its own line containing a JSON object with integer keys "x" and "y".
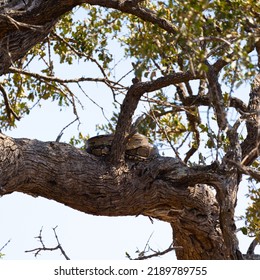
{"x": 137, "y": 147}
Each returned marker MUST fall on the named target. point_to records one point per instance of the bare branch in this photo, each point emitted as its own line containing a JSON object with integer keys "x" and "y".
{"x": 157, "y": 253}
{"x": 142, "y": 254}
{"x": 1, "y": 249}
{"x": 44, "y": 248}
{"x": 93, "y": 101}
{"x": 81, "y": 54}
{"x": 61, "y": 132}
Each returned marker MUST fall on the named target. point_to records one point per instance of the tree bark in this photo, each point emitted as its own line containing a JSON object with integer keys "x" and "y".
{"x": 198, "y": 202}
{"x": 163, "y": 188}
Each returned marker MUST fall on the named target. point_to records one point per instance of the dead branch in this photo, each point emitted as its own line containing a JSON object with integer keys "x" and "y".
{"x": 44, "y": 248}
{"x": 1, "y": 249}
{"x": 155, "y": 254}
{"x": 147, "y": 248}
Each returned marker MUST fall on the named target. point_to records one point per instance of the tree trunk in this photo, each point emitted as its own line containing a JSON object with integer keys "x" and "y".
{"x": 163, "y": 188}
{"x": 198, "y": 202}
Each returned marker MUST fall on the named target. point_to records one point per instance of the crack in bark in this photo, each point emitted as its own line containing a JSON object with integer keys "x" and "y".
{"x": 84, "y": 182}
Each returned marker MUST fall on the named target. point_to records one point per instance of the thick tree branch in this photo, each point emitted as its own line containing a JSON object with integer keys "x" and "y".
{"x": 250, "y": 146}
{"x": 252, "y": 246}
{"x": 129, "y": 105}
{"x": 216, "y": 97}
{"x": 132, "y": 7}
{"x": 227, "y": 193}
{"x": 246, "y": 170}
{"x": 163, "y": 188}
{"x": 39, "y": 168}
{"x": 204, "y": 100}
{"x": 23, "y": 27}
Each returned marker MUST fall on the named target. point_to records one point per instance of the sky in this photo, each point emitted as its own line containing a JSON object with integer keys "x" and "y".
{"x": 82, "y": 236}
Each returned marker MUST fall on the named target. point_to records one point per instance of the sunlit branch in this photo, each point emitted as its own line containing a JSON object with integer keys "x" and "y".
{"x": 132, "y": 7}
{"x": 246, "y": 170}
{"x": 129, "y": 106}
{"x": 59, "y": 80}
{"x": 9, "y": 109}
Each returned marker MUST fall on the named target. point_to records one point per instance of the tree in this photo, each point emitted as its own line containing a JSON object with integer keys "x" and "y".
{"x": 170, "y": 44}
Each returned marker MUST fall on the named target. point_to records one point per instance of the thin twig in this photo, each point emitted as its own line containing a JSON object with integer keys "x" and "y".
{"x": 1, "y": 249}
{"x": 44, "y": 248}
{"x": 94, "y": 102}
{"x": 56, "y": 79}
{"x": 157, "y": 253}
{"x": 152, "y": 115}
{"x": 61, "y": 132}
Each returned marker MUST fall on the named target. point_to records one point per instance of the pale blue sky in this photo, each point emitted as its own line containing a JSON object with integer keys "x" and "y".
{"x": 82, "y": 236}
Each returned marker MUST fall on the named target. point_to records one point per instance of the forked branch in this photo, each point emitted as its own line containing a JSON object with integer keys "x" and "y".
{"x": 38, "y": 250}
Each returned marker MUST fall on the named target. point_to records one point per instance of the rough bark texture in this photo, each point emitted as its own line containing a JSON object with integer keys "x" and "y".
{"x": 198, "y": 202}
{"x": 159, "y": 188}
{"x": 22, "y": 25}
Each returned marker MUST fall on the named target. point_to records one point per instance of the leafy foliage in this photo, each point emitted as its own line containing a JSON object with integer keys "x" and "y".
{"x": 182, "y": 36}
{"x": 253, "y": 214}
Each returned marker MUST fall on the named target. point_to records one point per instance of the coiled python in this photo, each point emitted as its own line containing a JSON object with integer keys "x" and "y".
{"x": 137, "y": 148}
